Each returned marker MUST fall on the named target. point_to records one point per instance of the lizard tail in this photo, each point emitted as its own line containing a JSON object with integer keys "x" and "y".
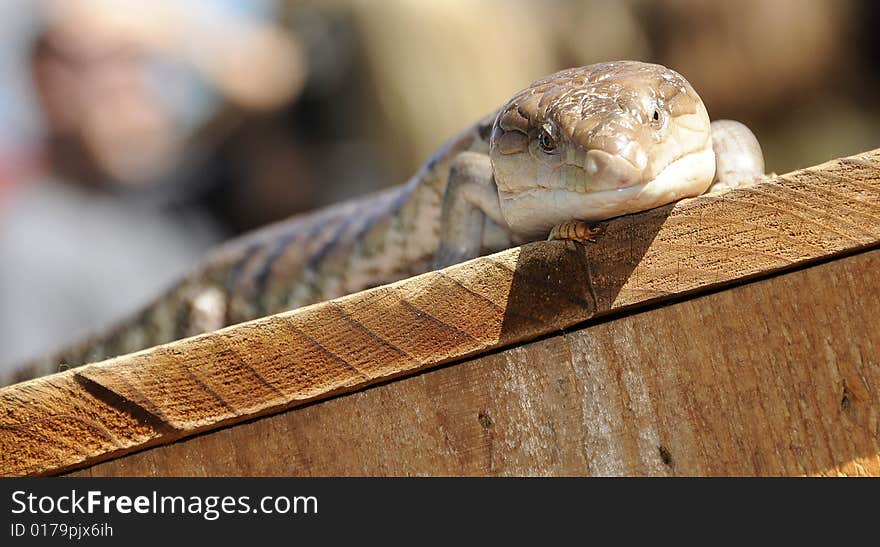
{"x": 188, "y": 309}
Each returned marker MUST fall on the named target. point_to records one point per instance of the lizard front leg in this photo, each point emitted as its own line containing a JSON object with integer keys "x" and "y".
{"x": 739, "y": 160}
{"x": 471, "y": 198}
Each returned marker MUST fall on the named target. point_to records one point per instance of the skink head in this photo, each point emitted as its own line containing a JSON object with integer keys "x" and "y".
{"x": 599, "y": 141}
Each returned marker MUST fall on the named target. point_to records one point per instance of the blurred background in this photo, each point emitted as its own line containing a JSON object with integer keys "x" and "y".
{"x": 135, "y": 135}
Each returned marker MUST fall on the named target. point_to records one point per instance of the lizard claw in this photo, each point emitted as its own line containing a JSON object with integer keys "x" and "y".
{"x": 739, "y": 183}
{"x": 576, "y": 230}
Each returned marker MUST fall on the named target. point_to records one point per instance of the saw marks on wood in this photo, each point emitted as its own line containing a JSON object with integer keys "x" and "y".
{"x": 56, "y": 420}
{"x": 289, "y": 359}
{"x": 777, "y": 377}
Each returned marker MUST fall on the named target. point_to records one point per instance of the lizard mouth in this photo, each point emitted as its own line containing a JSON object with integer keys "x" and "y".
{"x": 534, "y": 211}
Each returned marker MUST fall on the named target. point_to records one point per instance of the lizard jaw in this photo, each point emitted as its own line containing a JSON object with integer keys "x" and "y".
{"x": 533, "y": 212}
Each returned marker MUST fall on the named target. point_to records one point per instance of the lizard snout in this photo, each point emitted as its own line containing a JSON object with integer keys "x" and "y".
{"x": 610, "y": 171}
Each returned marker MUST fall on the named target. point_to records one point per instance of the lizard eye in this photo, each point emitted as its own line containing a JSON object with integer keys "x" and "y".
{"x": 657, "y": 118}
{"x": 546, "y": 141}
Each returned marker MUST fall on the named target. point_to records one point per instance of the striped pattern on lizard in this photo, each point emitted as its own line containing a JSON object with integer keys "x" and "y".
{"x": 582, "y": 145}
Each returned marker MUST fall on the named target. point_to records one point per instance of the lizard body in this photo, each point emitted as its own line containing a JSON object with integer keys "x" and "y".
{"x": 581, "y": 145}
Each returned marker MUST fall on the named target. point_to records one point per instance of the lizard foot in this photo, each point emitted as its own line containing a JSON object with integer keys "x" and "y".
{"x": 738, "y": 183}
{"x": 576, "y": 230}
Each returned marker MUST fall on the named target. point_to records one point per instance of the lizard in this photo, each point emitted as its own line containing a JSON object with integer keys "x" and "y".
{"x": 579, "y": 146}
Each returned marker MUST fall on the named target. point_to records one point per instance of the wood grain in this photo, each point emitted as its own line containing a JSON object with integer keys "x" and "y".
{"x": 286, "y": 360}
{"x": 776, "y": 377}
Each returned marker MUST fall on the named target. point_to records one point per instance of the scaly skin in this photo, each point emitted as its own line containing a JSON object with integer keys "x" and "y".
{"x": 338, "y": 250}
{"x": 581, "y": 145}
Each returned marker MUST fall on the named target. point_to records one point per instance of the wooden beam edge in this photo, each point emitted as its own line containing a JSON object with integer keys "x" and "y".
{"x": 162, "y": 394}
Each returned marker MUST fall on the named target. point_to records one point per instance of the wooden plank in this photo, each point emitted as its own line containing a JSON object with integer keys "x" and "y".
{"x": 289, "y": 359}
{"x": 777, "y": 377}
